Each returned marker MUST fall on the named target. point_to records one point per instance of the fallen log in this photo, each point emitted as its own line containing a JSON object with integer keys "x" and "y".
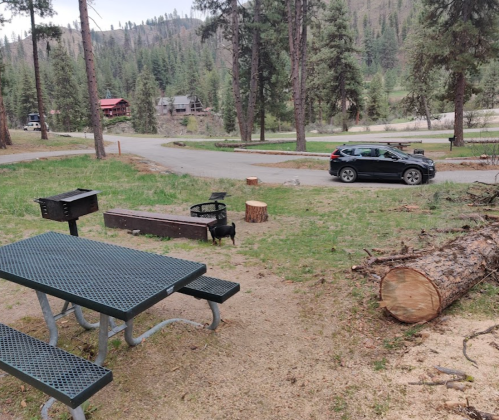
{"x": 421, "y": 289}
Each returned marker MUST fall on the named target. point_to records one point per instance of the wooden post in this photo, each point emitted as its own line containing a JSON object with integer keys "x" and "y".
{"x": 256, "y": 212}
{"x": 252, "y": 180}
{"x": 119, "y": 148}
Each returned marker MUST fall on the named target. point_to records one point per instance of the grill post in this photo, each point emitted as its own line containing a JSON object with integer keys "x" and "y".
{"x": 73, "y": 229}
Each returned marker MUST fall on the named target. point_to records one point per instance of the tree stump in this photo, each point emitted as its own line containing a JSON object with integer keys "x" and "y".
{"x": 420, "y": 289}
{"x": 252, "y": 180}
{"x": 256, "y": 212}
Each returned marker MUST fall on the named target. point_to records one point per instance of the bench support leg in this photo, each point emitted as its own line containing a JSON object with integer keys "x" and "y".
{"x": 136, "y": 341}
{"x": 81, "y": 319}
{"x": 216, "y": 315}
{"x": 77, "y": 413}
{"x": 49, "y": 317}
{"x": 103, "y": 337}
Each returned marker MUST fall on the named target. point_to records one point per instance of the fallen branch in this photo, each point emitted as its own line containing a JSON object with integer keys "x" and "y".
{"x": 388, "y": 258}
{"x": 460, "y": 376}
{"x": 469, "y": 337}
{"x": 468, "y": 410}
{"x": 367, "y": 252}
{"x": 453, "y": 230}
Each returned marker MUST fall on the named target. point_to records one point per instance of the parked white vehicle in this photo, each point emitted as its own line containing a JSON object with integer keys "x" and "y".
{"x": 34, "y": 126}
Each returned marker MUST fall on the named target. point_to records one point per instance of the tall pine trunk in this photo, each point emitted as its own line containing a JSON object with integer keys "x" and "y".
{"x": 235, "y": 69}
{"x": 262, "y": 105}
{"x": 41, "y": 110}
{"x": 459, "y": 109}
{"x": 91, "y": 80}
{"x": 254, "y": 72}
{"x": 5, "y": 139}
{"x": 297, "y": 34}
{"x": 426, "y": 111}
{"x": 343, "y": 93}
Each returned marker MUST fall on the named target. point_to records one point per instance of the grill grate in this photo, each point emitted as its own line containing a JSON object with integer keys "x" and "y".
{"x": 93, "y": 274}
{"x": 68, "y": 378}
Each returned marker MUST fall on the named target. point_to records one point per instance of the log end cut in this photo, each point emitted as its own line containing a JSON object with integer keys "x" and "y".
{"x": 409, "y": 296}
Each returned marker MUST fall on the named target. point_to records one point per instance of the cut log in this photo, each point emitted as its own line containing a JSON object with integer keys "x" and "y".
{"x": 252, "y": 180}
{"x": 256, "y": 212}
{"x": 420, "y": 289}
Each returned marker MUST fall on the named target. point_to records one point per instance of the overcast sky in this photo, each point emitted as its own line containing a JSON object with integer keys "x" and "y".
{"x": 104, "y": 12}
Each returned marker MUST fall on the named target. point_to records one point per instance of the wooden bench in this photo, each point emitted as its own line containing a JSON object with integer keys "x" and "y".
{"x": 62, "y": 375}
{"x": 214, "y": 291}
{"x": 159, "y": 224}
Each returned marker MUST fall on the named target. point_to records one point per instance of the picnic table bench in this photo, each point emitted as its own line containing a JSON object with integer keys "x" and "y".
{"x": 62, "y": 375}
{"x": 159, "y": 224}
{"x": 399, "y": 144}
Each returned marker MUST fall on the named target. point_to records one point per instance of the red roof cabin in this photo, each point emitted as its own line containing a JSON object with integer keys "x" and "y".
{"x": 117, "y": 107}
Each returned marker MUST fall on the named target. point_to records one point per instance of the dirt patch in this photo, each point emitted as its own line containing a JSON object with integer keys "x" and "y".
{"x": 282, "y": 348}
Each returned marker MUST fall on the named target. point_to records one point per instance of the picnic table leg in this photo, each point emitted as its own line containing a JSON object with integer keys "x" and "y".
{"x": 136, "y": 341}
{"x": 216, "y": 315}
{"x": 49, "y": 317}
{"x": 103, "y": 337}
{"x": 81, "y": 319}
{"x": 77, "y": 413}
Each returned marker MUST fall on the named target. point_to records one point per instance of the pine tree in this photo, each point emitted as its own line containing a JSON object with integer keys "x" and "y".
{"x": 339, "y": 72}
{"x": 229, "y": 109}
{"x": 27, "y": 102}
{"x": 490, "y": 86}
{"x": 66, "y": 93}
{"x": 144, "y": 109}
{"x": 377, "y": 104}
{"x": 461, "y": 35}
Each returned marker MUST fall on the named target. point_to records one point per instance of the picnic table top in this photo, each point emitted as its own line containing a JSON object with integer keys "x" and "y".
{"x": 110, "y": 279}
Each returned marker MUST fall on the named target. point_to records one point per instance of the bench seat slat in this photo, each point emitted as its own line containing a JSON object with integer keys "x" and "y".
{"x": 62, "y": 375}
{"x": 164, "y": 216}
{"x": 212, "y": 289}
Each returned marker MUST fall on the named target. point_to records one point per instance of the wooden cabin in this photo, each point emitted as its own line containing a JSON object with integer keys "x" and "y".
{"x": 116, "y": 107}
{"x": 182, "y": 105}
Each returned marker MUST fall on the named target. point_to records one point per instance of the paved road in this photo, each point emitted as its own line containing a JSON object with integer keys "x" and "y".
{"x": 241, "y": 165}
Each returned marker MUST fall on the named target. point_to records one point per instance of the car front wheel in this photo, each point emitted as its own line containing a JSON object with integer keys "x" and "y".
{"x": 348, "y": 175}
{"x": 413, "y": 176}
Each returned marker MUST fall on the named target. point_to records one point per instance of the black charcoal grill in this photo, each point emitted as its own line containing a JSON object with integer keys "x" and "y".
{"x": 69, "y": 206}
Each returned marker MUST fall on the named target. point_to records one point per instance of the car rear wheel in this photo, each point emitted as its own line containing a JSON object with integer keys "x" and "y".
{"x": 348, "y": 174}
{"x": 413, "y": 176}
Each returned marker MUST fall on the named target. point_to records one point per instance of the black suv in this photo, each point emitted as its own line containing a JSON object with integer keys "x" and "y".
{"x": 375, "y": 161}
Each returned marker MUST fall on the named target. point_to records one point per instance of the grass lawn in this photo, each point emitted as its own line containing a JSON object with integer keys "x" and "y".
{"x": 485, "y": 134}
{"x": 313, "y": 237}
{"x": 439, "y": 150}
{"x": 24, "y": 141}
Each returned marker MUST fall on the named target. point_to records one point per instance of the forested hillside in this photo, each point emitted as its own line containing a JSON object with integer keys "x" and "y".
{"x": 193, "y": 57}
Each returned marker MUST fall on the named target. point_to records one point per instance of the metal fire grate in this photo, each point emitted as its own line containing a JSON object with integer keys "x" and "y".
{"x": 68, "y": 378}
{"x": 213, "y": 210}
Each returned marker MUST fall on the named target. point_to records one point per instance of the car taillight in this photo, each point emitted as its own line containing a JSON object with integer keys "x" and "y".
{"x": 335, "y": 154}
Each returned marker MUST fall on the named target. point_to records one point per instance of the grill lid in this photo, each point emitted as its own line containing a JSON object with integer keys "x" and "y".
{"x": 70, "y": 196}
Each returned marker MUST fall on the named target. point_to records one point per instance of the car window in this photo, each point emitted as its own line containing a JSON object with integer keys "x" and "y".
{"x": 347, "y": 152}
{"x": 363, "y": 151}
{"x": 385, "y": 154}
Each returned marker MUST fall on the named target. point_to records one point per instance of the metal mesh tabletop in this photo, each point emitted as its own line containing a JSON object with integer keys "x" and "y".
{"x": 110, "y": 279}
